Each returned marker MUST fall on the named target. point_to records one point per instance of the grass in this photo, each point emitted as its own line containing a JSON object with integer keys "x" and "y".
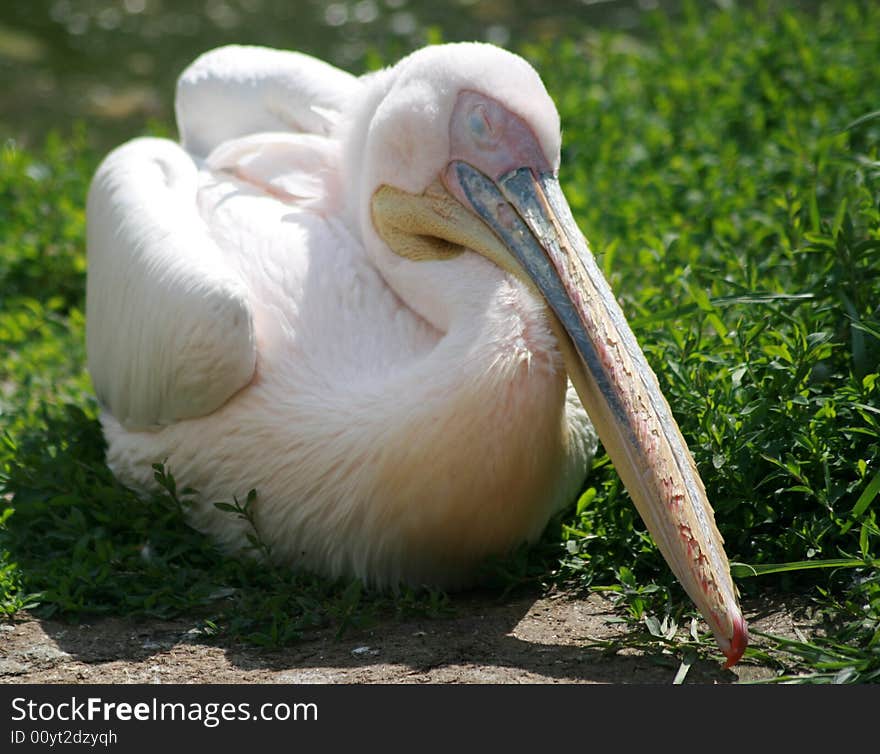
{"x": 727, "y": 171}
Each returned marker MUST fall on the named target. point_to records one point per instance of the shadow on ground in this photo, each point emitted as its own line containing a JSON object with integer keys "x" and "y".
{"x": 525, "y": 639}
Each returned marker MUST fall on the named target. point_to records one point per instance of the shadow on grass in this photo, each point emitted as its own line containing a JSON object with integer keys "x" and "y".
{"x": 115, "y": 577}
{"x": 82, "y": 544}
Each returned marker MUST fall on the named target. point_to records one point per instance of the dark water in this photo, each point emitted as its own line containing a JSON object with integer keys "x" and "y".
{"x": 113, "y": 64}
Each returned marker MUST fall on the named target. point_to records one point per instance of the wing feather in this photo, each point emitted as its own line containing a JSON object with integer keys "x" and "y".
{"x": 238, "y": 90}
{"x": 170, "y": 332}
{"x": 297, "y": 168}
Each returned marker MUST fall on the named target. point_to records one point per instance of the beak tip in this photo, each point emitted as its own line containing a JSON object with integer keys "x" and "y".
{"x": 738, "y": 642}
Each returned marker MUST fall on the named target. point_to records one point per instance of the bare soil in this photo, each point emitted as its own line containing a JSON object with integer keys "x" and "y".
{"x": 523, "y": 639}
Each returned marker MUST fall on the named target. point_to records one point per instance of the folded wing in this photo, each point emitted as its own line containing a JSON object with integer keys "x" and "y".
{"x": 170, "y": 331}
{"x": 169, "y": 328}
{"x": 237, "y": 90}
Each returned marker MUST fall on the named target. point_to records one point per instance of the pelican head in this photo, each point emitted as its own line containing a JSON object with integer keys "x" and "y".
{"x": 459, "y": 148}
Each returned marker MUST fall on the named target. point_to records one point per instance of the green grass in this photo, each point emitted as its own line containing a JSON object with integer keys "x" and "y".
{"x": 727, "y": 172}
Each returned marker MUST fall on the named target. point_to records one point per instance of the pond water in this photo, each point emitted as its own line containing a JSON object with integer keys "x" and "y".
{"x": 112, "y": 64}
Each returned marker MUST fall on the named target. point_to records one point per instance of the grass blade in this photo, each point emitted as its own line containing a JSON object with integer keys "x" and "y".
{"x": 744, "y": 570}
{"x": 867, "y": 496}
{"x": 867, "y": 118}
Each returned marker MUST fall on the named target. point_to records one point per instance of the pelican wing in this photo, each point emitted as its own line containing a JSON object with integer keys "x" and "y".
{"x": 296, "y": 168}
{"x": 170, "y": 329}
{"x": 237, "y": 90}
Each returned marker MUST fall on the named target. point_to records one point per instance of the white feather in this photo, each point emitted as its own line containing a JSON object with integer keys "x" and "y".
{"x": 236, "y": 90}
{"x": 170, "y": 334}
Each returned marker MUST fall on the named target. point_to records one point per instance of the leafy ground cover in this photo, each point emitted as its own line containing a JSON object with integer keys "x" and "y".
{"x": 727, "y": 171}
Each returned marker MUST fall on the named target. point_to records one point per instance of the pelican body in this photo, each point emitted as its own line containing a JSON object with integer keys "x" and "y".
{"x": 367, "y": 299}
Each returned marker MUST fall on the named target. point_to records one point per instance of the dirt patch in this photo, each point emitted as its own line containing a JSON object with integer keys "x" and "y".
{"x": 520, "y": 640}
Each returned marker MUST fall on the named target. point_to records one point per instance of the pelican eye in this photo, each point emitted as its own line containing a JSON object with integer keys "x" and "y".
{"x": 480, "y": 126}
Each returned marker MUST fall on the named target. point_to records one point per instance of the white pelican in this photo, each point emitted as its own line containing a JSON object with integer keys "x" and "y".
{"x": 364, "y": 298}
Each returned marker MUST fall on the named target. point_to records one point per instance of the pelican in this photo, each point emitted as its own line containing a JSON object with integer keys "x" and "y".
{"x": 366, "y": 299}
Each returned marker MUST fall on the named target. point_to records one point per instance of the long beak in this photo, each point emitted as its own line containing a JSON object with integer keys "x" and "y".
{"x": 619, "y": 390}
